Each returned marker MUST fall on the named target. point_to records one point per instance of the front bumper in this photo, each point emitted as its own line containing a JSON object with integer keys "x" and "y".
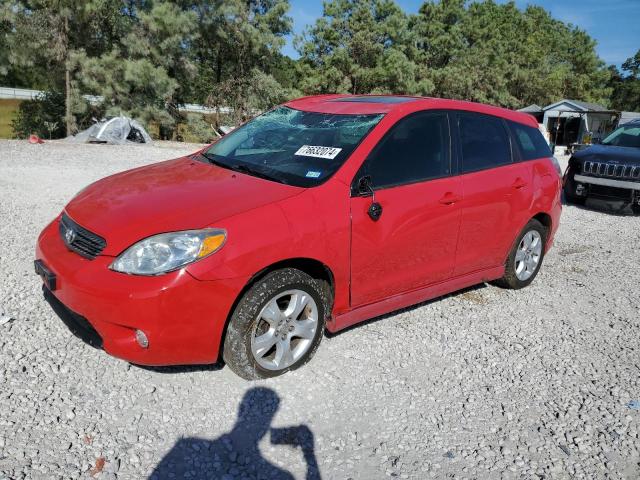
{"x": 616, "y": 195}
{"x": 607, "y": 182}
{"x": 183, "y": 318}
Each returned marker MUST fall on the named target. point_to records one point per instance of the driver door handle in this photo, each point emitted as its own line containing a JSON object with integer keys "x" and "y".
{"x": 450, "y": 198}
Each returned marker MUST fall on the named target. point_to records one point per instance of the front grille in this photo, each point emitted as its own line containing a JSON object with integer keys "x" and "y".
{"x": 79, "y": 239}
{"x": 611, "y": 170}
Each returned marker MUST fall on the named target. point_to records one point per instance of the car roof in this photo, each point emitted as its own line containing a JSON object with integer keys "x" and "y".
{"x": 401, "y": 104}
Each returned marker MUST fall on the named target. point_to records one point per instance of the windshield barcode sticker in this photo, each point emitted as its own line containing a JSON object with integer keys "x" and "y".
{"x": 320, "y": 152}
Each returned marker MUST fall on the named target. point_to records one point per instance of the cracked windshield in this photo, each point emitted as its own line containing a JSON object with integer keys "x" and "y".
{"x": 292, "y": 147}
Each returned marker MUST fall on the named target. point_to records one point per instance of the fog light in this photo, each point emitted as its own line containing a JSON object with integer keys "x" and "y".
{"x": 580, "y": 190}
{"x": 142, "y": 339}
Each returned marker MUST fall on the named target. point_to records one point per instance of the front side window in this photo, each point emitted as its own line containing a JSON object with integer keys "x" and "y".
{"x": 531, "y": 142}
{"x": 625, "y": 136}
{"x": 292, "y": 146}
{"x": 484, "y": 142}
{"x": 415, "y": 149}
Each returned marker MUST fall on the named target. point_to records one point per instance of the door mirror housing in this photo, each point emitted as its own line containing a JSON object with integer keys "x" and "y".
{"x": 365, "y": 187}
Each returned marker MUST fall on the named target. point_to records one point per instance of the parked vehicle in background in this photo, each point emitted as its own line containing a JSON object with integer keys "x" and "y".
{"x": 607, "y": 175}
{"x": 320, "y": 213}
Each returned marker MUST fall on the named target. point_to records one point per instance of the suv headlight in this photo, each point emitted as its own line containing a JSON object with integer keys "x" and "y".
{"x": 169, "y": 251}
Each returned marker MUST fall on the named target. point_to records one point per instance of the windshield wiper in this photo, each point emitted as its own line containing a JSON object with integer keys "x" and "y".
{"x": 242, "y": 169}
{"x": 211, "y": 159}
{"x": 256, "y": 173}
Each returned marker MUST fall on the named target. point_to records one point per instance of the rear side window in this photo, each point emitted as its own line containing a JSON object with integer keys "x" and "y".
{"x": 531, "y": 142}
{"x": 484, "y": 142}
{"x": 415, "y": 149}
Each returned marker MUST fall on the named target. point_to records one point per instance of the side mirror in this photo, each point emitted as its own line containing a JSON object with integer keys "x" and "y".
{"x": 364, "y": 186}
{"x": 365, "y": 189}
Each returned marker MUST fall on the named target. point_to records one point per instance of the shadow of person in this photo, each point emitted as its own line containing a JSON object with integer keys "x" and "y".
{"x": 236, "y": 454}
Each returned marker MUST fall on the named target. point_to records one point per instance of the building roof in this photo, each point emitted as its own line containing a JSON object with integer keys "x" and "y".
{"x": 580, "y": 105}
{"x": 533, "y": 108}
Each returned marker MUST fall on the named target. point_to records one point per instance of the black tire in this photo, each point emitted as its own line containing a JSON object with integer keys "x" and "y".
{"x": 510, "y": 279}
{"x": 237, "y": 352}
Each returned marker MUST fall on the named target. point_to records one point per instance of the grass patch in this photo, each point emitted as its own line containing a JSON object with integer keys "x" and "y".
{"x": 8, "y": 108}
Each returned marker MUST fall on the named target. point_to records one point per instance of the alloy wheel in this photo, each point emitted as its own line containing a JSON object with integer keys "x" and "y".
{"x": 284, "y": 330}
{"x": 528, "y": 255}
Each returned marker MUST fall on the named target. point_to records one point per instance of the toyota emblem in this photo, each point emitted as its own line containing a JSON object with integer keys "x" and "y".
{"x": 69, "y": 235}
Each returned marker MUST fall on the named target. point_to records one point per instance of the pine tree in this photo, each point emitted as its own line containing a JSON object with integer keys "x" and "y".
{"x": 46, "y": 36}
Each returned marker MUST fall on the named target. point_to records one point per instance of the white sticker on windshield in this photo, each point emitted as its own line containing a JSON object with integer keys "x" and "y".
{"x": 312, "y": 174}
{"x": 320, "y": 152}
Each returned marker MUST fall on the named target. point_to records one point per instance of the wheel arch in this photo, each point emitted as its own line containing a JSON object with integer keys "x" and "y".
{"x": 546, "y": 221}
{"x": 312, "y": 267}
{"x": 542, "y": 217}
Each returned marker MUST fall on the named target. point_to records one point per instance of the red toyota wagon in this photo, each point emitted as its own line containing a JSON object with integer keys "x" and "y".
{"x": 321, "y": 213}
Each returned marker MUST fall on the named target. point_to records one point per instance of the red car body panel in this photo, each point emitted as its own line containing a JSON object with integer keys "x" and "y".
{"x": 125, "y": 207}
{"x": 434, "y": 237}
{"x": 494, "y": 200}
{"x": 410, "y": 212}
{"x": 177, "y": 312}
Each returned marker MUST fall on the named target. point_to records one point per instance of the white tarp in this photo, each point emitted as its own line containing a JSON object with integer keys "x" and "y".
{"x": 115, "y": 131}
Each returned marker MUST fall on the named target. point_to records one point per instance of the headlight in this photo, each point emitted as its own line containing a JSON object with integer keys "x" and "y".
{"x": 169, "y": 251}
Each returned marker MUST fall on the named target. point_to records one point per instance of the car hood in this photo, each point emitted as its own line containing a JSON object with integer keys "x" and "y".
{"x": 606, "y": 153}
{"x": 179, "y": 194}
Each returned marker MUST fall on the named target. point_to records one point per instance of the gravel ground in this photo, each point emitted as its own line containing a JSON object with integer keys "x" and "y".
{"x": 485, "y": 383}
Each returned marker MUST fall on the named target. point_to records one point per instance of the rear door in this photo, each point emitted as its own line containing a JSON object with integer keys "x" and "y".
{"x": 497, "y": 192}
{"x": 413, "y": 243}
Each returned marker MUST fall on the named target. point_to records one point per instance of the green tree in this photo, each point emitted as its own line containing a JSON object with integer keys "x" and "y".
{"x": 46, "y": 35}
{"x": 496, "y": 53}
{"x": 41, "y": 116}
{"x": 482, "y": 51}
{"x": 359, "y": 46}
{"x": 145, "y": 71}
{"x": 237, "y": 53}
{"x": 233, "y": 38}
{"x": 626, "y": 88}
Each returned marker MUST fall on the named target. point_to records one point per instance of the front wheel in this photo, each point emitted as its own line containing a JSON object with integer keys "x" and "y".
{"x": 277, "y": 325}
{"x": 525, "y": 258}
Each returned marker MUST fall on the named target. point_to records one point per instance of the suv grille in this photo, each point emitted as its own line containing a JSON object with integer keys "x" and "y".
{"x": 602, "y": 169}
{"x": 79, "y": 239}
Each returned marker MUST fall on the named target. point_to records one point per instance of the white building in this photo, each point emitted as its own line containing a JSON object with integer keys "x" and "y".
{"x": 573, "y": 121}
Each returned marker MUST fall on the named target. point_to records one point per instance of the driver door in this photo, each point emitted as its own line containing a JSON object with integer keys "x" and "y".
{"x": 413, "y": 242}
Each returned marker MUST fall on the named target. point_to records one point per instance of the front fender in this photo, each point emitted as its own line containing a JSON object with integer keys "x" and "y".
{"x": 313, "y": 225}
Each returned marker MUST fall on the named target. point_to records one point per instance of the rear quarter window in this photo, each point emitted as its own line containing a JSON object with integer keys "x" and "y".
{"x": 530, "y": 141}
{"x": 484, "y": 142}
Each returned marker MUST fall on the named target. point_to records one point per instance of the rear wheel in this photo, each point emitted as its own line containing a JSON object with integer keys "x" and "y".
{"x": 525, "y": 258}
{"x": 277, "y": 325}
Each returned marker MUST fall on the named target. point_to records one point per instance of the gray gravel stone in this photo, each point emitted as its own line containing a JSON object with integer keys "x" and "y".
{"x": 485, "y": 383}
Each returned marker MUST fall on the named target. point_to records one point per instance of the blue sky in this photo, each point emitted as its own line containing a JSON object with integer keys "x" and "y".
{"x": 614, "y": 24}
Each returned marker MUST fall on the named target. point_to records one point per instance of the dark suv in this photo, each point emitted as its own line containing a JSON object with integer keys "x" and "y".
{"x": 607, "y": 175}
